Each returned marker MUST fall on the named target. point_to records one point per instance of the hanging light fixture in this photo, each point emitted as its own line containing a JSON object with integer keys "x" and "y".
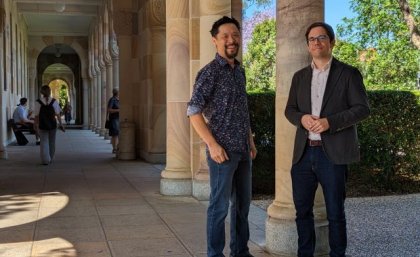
{"x": 60, "y": 6}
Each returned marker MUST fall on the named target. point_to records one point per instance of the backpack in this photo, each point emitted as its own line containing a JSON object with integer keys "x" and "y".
{"x": 47, "y": 116}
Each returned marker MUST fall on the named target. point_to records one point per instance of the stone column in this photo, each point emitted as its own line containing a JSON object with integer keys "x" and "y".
{"x": 151, "y": 53}
{"x": 3, "y": 129}
{"x": 85, "y": 87}
{"x": 98, "y": 95}
{"x": 102, "y": 66}
{"x": 113, "y": 46}
{"x": 33, "y": 94}
{"x": 92, "y": 73}
{"x": 293, "y": 17}
{"x": 199, "y": 169}
{"x": 176, "y": 178}
{"x": 108, "y": 60}
{"x": 115, "y": 61}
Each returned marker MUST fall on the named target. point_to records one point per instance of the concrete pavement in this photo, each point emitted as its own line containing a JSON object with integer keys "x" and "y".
{"x": 88, "y": 204}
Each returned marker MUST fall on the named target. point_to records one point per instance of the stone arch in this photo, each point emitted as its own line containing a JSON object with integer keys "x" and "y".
{"x": 61, "y": 55}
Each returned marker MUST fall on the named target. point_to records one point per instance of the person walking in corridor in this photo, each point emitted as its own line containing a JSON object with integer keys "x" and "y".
{"x": 113, "y": 114}
{"x": 218, "y": 111}
{"x": 326, "y": 100}
{"x": 47, "y": 112}
{"x": 67, "y": 109}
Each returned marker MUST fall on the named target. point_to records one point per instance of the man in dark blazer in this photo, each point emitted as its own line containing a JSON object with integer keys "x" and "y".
{"x": 326, "y": 100}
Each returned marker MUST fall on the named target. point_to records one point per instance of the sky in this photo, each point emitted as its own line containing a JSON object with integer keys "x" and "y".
{"x": 335, "y": 11}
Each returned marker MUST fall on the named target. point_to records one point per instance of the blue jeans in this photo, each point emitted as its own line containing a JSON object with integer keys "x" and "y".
{"x": 314, "y": 168}
{"x": 229, "y": 181}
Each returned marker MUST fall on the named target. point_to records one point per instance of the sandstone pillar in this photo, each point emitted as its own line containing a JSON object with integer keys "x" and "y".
{"x": 102, "y": 66}
{"x": 108, "y": 60}
{"x": 293, "y": 17}
{"x": 33, "y": 94}
{"x": 92, "y": 75}
{"x": 98, "y": 95}
{"x": 152, "y": 58}
{"x": 199, "y": 168}
{"x": 115, "y": 61}
{"x": 113, "y": 47}
{"x": 176, "y": 178}
{"x": 85, "y": 86}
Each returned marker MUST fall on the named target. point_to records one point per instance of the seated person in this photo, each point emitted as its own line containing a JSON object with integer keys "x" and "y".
{"x": 22, "y": 120}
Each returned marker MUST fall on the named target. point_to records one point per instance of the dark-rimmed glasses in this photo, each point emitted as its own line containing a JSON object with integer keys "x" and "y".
{"x": 320, "y": 38}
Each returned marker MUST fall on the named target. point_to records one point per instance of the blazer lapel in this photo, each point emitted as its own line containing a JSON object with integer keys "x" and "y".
{"x": 332, "y": 80}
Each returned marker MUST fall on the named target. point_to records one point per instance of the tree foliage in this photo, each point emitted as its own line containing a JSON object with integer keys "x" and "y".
{"x": 63, "y": 96}
{"x": 249, "y": 3}
{"x": 377, "y": 41}
{"x": 249, "y": 23}
{"x": 260, "y": 58}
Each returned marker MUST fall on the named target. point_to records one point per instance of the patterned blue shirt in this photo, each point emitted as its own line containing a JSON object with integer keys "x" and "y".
{"x": 220, "y": 95}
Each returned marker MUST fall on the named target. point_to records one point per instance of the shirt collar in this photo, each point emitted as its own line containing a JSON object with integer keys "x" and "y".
{"x": 222, "y": 61}
{"x": 326, "y": 67}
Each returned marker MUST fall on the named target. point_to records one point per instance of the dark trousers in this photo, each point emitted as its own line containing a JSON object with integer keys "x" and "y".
{"x": 314, "y": 168}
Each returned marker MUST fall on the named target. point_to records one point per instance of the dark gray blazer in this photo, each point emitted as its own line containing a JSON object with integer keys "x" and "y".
{"x": 344, "y": 104}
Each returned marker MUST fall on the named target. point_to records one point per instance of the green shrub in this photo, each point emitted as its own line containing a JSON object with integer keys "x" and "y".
{"x": 390, "y": 138}
{"x": 261, "y": 106}
{"x": 389, "y": 141}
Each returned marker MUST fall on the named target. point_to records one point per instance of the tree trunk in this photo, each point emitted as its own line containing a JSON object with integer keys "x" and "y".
{"x": 411, "y": 23}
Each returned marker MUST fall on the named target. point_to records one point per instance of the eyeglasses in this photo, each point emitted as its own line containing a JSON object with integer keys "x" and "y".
{"x": 320, "y": 38}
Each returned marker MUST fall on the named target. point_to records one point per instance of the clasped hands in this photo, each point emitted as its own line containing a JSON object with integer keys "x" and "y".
{"x": 314, "y": 123}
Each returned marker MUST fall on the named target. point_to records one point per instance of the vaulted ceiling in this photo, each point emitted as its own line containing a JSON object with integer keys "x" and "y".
{"x": 58, "y": 17}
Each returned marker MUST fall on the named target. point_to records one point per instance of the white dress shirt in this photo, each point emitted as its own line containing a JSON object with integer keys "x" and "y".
{"x": 319, "y": 81}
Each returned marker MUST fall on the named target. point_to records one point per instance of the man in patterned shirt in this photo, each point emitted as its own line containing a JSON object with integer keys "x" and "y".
{"x": 218, "y": 111}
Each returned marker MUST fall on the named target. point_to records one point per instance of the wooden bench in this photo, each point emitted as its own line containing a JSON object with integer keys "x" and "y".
{"x": 11, "y": 123}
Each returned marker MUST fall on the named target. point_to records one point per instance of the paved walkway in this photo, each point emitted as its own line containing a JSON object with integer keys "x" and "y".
{"x": 87, "y": 204}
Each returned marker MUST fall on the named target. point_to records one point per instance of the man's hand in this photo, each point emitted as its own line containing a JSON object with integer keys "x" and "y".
{"x": 253, "y": 152}
{"x": 307, "y": 121}
{"x": 320, "y": 125}
{"x": 315, "y": 124}
{"x": 217, "y": 153}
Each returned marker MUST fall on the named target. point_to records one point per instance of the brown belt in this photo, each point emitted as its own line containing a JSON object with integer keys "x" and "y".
{"x": 314, "y": 142}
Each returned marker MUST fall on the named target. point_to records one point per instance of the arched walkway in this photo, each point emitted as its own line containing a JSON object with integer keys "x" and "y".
{"x": 86, "y": 203}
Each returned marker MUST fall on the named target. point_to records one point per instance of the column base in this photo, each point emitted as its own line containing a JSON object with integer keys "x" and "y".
{"x": 175, "y": 187}
{"x": 157, "y": 158}
{"x": 282, "y": 239}
{"x": 3, "y": 155}
{"x": 201, "y": 189}
{"x": 103, "y": 132}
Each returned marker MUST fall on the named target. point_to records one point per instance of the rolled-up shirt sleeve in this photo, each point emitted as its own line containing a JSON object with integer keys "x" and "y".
{"x": 202, "y": 89}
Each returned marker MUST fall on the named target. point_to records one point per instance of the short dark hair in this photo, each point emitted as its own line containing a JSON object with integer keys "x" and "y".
{"x": 23, "y": 101}
{"x": 115, "y": 92}
{"x": 328, "y": 29}
{"x": 224, "y": 20}
{"x": 45, "y": 91}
